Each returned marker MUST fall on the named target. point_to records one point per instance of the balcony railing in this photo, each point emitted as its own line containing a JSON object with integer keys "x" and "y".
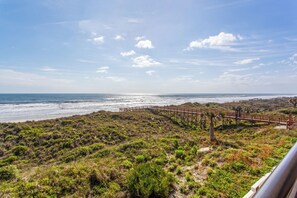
{"x": 282, "y": 182}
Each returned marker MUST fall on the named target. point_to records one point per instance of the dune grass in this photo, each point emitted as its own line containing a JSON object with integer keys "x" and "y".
{"x": 135, "y": 154}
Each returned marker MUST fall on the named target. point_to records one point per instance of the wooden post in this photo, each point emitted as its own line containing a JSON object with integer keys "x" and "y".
{"x": 236, "y": 117}
{"x": 211, "y": 128}
{"x": 196, "y": 118}
{"x": 290, "y": 121}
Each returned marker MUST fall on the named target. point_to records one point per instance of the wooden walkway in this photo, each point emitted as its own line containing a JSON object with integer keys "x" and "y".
{"x": 191, "y": 115}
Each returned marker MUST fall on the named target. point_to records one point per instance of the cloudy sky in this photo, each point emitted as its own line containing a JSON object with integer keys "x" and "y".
{"x": 148, "y": 46}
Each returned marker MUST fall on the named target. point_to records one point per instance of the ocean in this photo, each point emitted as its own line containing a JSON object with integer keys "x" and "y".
{"x": 24, "y": 107}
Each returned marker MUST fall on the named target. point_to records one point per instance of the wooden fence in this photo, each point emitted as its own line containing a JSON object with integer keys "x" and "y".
{"x": 195, "y": 116}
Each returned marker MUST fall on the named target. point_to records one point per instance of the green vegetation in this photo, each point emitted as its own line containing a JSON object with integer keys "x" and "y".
{"x": 7, "y": 173}
{"x": 149, "y": 180}
{"x": 141, "y": 154}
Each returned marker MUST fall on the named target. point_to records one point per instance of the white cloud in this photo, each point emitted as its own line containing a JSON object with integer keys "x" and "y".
{"x": 222, "y": 41}
{"x": 134, "y": 20}
{"x": 119, "y": 38}
{"x": 293, "y": 59}
{"x": 144, "y": 61}
{"x": 258, "y": 66}
{"x": 128, "y": 53}
{"x": 116, "y": 78}
{"x": 235, "y": 79}
{"x": 138, "y": 38}
{"x": 185, "y": 78}
{"x": 144, "y": 44}
{"x": 238, "y": 70}
{"x": 246, "y": 61}
{"x": 86, "y": 61}
{"x": 102, "y": 69}
{"x": 98, "y": 40}
{"x": 150, "y": 72}
{"x": 48, "y": 69}
{"x": 93, "y": 34}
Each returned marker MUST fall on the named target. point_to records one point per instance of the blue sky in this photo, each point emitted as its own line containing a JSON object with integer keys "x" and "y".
{"x": 148, "y": 46}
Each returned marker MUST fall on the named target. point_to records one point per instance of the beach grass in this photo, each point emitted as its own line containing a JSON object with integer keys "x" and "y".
{"x": 138, "y": 154}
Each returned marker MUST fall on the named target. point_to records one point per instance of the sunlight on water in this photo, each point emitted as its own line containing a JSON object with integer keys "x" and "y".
{"x": 22, "y": 107}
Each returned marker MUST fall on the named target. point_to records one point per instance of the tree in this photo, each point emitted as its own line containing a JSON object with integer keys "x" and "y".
{"x": 293, "y": 101}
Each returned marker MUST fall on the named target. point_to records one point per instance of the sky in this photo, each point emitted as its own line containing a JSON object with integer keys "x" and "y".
{"x": 148, "y": 46}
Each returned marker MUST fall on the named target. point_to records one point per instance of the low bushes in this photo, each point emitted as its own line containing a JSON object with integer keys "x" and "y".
{"x": 180, "y": 154}
{"x": 83, "y": 151}
{"x": 20, "y": 150}
{"x": 149, "y": 180}
{"x": 7, "y": 173}
{"x": 137, "y": 144}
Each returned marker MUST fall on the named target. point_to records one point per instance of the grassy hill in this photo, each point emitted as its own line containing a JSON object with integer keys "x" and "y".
{"x": 136, "y": 154}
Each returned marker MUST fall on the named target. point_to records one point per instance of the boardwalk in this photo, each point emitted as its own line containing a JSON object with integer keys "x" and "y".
{"x": 192, "y": 115}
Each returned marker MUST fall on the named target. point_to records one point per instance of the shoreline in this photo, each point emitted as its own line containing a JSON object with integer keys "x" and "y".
{"x": 54, "y": 114}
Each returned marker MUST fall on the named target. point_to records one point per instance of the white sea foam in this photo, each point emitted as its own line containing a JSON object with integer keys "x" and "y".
{"x": 39, "y": 111}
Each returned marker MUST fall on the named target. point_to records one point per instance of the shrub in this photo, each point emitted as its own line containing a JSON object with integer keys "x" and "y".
{"x": 96, "y": 146}
{"x": 209, "y": 171}
{"x": 188, "y": 176}
{"x": 209, "y": 162}
{"x": 172, "y": 167}
{"x": 19, "y": 150}
{"x": 66, "y": 122}
{"x": 149, "y": 180}
{"x": 7, "y": 173}
{"x": 140, "y": 158}
{"x": 193, "y": 150}
{"x": 179, "y": 170}
{"x": 127, "y": 164}
{"x": 137, "y": 144}
{"x": 82, "y": 151}
{"x": 10, "y": 159}
{"x": 1, "y": 152}
{"x": 193, "y": 185}
{"x": 180, "y": 154}
{"x": 175, "y": 144}
{"x": 184, "y": 189}
{"x": 171, "y": 159}
{"x": 98, "y": 178}
{"x": 160, "y": 161}
{"x": 202, "y": 191}
{"x": 255, "y": 171}
{"x": 236, "y": 166}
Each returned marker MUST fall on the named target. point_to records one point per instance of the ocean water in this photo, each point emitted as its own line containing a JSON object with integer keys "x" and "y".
{"x": 23, "y": 107}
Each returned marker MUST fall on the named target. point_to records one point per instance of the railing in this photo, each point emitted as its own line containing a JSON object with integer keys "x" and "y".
{"x": 282, "y": 182}
{"x": 270, "y": 119}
